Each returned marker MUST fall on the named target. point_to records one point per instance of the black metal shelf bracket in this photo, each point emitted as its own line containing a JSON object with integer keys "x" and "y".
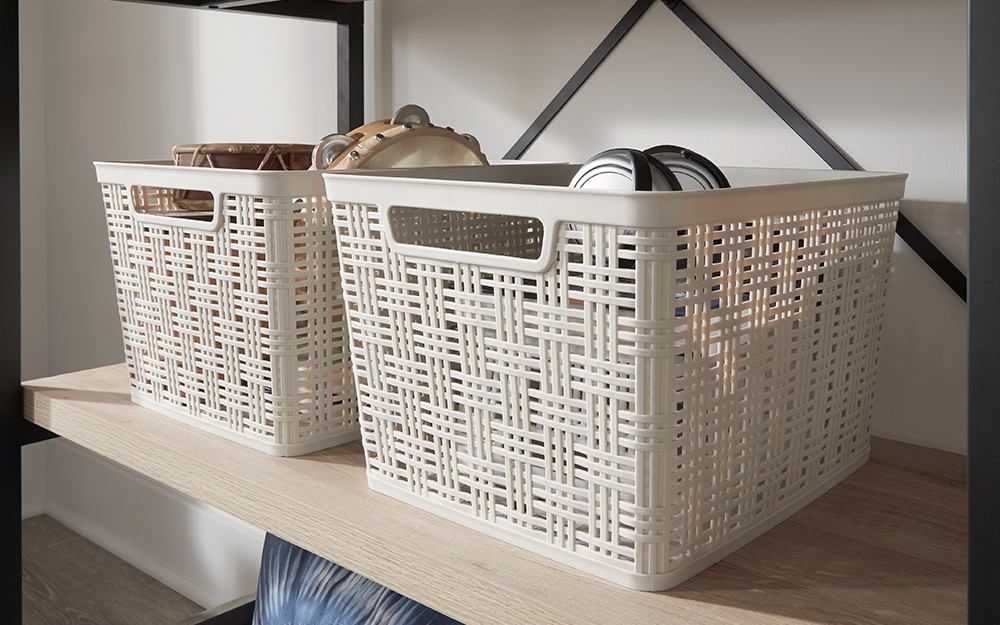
{"x": 816, "y": 140}
{"x": 350, "y": 75}
{"x": 820, "y": 143}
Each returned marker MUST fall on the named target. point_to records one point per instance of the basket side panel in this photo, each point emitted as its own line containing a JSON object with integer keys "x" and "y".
{"x": 127, "y": 281}
{"x": 239, "y": 330}
{"x": 481, "y": 387}
{"x": 650, "y": 398}
{"x": 291, "y": 295}
{"x": 325, "y": 401}
{"x": 779, "y": 322}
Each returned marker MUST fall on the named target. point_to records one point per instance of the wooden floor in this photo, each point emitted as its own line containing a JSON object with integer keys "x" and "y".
{"x": 68, "y": 580}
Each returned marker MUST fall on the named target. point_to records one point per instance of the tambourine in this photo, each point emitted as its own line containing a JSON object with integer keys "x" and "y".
{"x": 255, "y": 156}
{"x": 408, "y": 139}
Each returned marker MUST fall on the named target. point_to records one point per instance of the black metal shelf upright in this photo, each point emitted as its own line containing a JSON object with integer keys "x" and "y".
{"x": 984, "y": 301}
{"x": 10, "y": 317}
{"x": 14, "y": 430}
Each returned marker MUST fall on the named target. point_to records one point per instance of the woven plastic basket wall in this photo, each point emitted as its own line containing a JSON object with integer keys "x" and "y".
{"x": 636, "y": 398}
{"x": 233, "y": 319}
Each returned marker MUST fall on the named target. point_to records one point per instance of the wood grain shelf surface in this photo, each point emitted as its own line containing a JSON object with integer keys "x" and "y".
{"x": 886, "y": 546}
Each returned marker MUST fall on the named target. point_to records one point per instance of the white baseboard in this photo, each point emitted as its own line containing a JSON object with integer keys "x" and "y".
{"x": 201, "y": 552}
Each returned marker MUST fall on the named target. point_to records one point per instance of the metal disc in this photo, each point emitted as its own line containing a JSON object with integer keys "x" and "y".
{"x": 328, "y": 148}
{"x": 411, "y": 114}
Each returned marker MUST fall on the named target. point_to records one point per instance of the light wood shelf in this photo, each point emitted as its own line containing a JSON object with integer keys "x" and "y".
{"x": 885, "y": 546}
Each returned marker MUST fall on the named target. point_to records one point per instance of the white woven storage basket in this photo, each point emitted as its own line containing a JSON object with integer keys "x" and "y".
{"x": 233, "y": 319}
{"x": 635, "y": 405}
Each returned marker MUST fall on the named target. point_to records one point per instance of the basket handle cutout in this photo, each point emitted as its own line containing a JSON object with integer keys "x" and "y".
{"x": 512, "y": 237}
{"x": 480, "y": 237}
{"x": 193, "y": 209}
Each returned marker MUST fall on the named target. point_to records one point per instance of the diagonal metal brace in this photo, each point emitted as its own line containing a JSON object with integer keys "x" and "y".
{"x": 606, "y": 46}
{"x": 822, "y": 145}
{"x": 816, "y": 140}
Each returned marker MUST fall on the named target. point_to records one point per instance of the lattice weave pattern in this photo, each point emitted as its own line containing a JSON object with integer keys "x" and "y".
{"x": 641, "y": 400}
{"x": 240, "y": 328}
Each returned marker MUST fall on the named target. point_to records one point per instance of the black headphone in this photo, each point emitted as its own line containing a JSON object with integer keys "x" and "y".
{"x": 692, "y": 170}
{"x": 659, "y": 168}
{"x": 625, "y": 169}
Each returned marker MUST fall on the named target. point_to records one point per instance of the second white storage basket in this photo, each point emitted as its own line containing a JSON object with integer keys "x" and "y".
{"x": 632, "y": 383}
{"x": 232, "y": 317}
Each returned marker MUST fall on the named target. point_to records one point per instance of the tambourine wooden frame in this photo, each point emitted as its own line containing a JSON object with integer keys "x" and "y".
{"x": 378, "y": 136}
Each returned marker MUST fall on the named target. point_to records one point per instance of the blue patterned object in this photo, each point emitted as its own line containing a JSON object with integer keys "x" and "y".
{"x": 297, "y": 587}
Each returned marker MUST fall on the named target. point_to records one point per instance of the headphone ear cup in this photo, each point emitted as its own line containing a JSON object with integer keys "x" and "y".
{"x": 642, "y": 177}
{"x": 663, "y": 178}
{"x": 624, "y": 169}
{"x": 693, "y": 170}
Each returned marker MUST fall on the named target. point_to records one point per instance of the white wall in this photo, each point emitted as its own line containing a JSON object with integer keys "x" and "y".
{"x": 34, "y": 478}
{"x": 129, "y": 81}
{"x": 199, "y": 551}
{"x": 34, "y": 243}
{"x": 885, "y": 80}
